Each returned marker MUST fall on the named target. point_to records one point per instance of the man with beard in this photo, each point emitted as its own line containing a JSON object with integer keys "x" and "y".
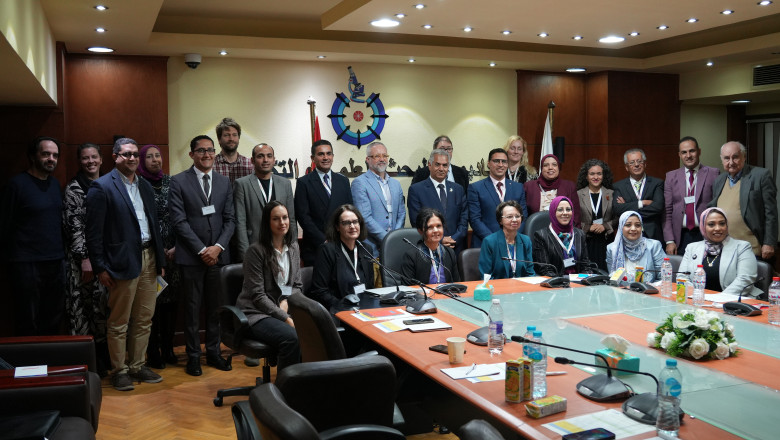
{"x": 229, "y": 162}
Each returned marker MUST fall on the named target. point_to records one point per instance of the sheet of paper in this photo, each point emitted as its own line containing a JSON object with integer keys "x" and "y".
{"x": 161, "y": 284}
{"x": 383, "y": 290}
{"x": 475, "y": 371}
{"x": 611, "y": 420}
{"x": 31, "y": 371}
{"x": 578, "y": 276}
{"x": 532, "y": 280}
{"x": 720, "y": 297}
{"x": 398, "y": 324}
{"x": 365, "y": 315}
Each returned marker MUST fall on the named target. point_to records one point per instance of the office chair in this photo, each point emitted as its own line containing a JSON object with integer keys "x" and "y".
{"x": 468, "y": 263}
{"x": 318, "y": 336}
{"x": 306, "y": 274}
{"x": 479, "y": 430}
{"x": 676, "y": 260}
{"x": 535, "y": 222}
{"x": 392, "y": 252}
{"x": 763, "y": 278}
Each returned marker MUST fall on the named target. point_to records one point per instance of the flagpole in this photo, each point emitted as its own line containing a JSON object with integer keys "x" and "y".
{"x": 550, "y": 111}
{"x": 311, "y": 103}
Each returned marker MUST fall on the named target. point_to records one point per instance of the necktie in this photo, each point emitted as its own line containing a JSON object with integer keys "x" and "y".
{"x": 443, "y": 196}
{"x": 326, "y": 178}
{"x": 638, "y": 186}
{"x": 206, "y": 187}
{"x": 690, "y": 213}
{"x": 500, "y": 193}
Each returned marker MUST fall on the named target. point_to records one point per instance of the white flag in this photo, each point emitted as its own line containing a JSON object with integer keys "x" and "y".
{"x": 547, "y": 146}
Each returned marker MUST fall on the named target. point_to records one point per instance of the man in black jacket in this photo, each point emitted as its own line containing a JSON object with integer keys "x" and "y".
{"x": 641, "y": 193}
{"x": 456, "y": 174}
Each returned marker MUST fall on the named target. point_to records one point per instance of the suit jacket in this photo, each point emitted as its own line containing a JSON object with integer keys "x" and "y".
{"x": 483, "y": 201}
{"x": 533, "y": 197}
{"x": 313, "y": 208}
{"x": 460, "y": 174}
{"x": 494, "y": 249}
{"x": 586, "y": 211}
{"x": 194, "y": 231}
{"x": 674, "y": 198}
{"x": 369, "y": 199}
{"x": 113, "y": 234}
{"x": 456, "y": 216}
{"x": 757, "y": 202}
{"x": 651, "y": 260}
{"x": 737, "y": 268}
{"x": 414, "y": 265}
{"x": 652, "y": 214}
{"x": 547, "y": 250}
{"x": 334, "y": 276}
{"x": 249, "y": 203}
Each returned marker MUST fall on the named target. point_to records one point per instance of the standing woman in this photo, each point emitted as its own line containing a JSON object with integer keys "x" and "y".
{"x": 271, "y": 275}
{"x": 519, "y": 169}
{"x": 440, "y": 266}
{"x": 508, "y": 242}
{"x": 630, "y": 249}
{"x": 540, "y": 193}
{"x": 160, "y": 348}
{"x": 594, "y": 190}
{"x": 561, "y": 244}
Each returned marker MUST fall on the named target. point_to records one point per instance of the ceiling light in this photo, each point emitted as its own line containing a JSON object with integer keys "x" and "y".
{"x": 575, "y": 69}
{"x": 492, "y": 64}
{"x": 98, "y": 49}
{"x": 385, "y": 23}
{"x": 411, "y": 60}
{"x": 727, "y": 12}
{"x": 577, "y": 37}
{"x": 427, "y": 26}
{"x": 321, "y": 57}
{"x": 709, "y": 63}
{"x": 399, "y": 15}
{"x": 611, "y": 39}
{"x": 467, "y": 29}
{"x": 741, "y": 101}
{"x": 506, "y": 32}
{"x": 692, "y": 20}
{"x": 223, "y": 52}
{"x": 101, "y": 7}
{"x": 634, "y": 34}
{"x": 100, "y": 30}
{"x": 543, "y": 34}
{"x": 662, "y": 27}
{"x": 764, "y": 3}
{"x": 419, "y": 6}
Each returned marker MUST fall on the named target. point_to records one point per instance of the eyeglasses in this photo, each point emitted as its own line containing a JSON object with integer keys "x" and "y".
{"x": 636, "y": 162}
{"x": 348, "y": 223}
{"x": 380, "y": 156}
{"x": 512, "y": 217}
{"x": 499, "y": 161}
{"x": 129, "y": 154}
{"x": 205, "y": 150}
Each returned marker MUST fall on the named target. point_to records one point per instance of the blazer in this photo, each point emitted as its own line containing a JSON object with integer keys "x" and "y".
{"x": 533, "y": 196}
{"x": 586, "y": 211}
{"x": 674, "y": 198}
{"x": 494, "y": 249}
{"x": 249, "y": 204}
{"x": 737, "y": 268}
{"x": 483, "y": 201}
{"x": 460, "y": 174}
{"x": 334, "y": 276}
{"x": 414, "y": 265}
{"x": 651, "y": 260}
{"x": 313, "y": 208}
{"x": 547, "y": 250}
{"x": 757, "y": 202}
{"x": 194, "y": 231}
{"x": 456, "y": 216}
{"x": 113, "y": 234}
{"x": 370, "y": 200}
{"x": 261, "y": 295}
{"x": 652, "y": 214}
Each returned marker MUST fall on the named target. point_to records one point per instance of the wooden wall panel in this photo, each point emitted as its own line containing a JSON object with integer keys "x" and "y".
{"x": 644, "y": 108}
{"x": 596, "y": 109}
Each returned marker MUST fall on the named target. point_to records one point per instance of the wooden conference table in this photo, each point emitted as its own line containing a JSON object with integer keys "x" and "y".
{"x": 731, "y": 398}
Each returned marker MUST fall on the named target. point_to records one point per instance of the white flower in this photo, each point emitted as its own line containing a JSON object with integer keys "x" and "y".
{"x": 687, "y": 312}
{"x": 651, "y": 339}
{"x": 733, "y": 347}
{"x": 698, "y": 348}
{"x": 716, "y": 326}
{"x": 722, "y": 351}
{"x": 701, "y": 322}
{"x": 700, "y": 313}
{"x": 679, "y": 322}
{"x": 668, "y": 339}
{"x": 729, "y": 328}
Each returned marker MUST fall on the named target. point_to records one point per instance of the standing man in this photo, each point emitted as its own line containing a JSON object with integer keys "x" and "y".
{"x": 126, "y": 250}
{"x": 229, "y": 162}
{"x": 378, "y": 196}
{"x": 641, "y": 193}
{"x": 33, "y": 251}
{"x": 748, "y": 196}
{"x": 447, "y": 197}
{"x": 485, "y": 195}
{"x": 455, "y": 174}
{"x": 251, "y": 193}
{"x": 201, "y": 204}
{"x": 687, "y": 192}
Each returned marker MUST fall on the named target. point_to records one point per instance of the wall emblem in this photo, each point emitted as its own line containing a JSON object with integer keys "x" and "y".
{"x": 343, "y": 116}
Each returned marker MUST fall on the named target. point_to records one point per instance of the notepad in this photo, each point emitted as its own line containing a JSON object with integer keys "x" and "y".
{"x": 382, "y": 314}
{"x": 475, "y": 371}
{"x": 398, "y": 325}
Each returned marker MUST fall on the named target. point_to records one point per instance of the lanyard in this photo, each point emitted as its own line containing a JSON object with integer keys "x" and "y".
{"x": 267, "y": 197}
{"x": 691, "y": 188}
{"x": 571, "y": 243}
{"x": 513, "y": 176}
{"x": 598, "y": 204}
{"x": 354, "y": 262}
{"x": 433, "y": 263}
{"x": 513, "y": 255}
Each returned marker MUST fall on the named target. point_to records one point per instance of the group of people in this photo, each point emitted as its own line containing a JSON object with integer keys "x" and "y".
{"x": 134, "y": 224}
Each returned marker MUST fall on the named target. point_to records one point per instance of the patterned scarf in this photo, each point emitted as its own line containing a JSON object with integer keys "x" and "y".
{"x": 625, "y": 248}
{"x": 710, "y": 247}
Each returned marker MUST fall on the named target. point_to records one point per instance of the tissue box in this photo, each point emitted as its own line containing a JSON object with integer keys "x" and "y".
{"x": 618, "y": 360}
{"x": 483, "y": 293}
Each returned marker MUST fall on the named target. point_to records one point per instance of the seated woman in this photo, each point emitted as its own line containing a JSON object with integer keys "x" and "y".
{"x": 729, "y": 263}
{"x": 440, "y": 266}
{"x": 630, "y": 249}
{"x": 271, "y": 274}
{"x": 508, "y": 242}
{"x": 343, "y": 267}
{"x": 561, "y": 244}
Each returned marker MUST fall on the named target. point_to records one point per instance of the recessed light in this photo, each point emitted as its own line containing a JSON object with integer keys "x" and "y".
{"x": 411, "y": 60}
{"x": 98, "y": 49}
{"x": 709, "y": 63}
{"x": 741, "y": 101}
{"x": 634, "y": 34}
{"x": 543, "y": 34}
{"x": 467, "y": 29}
{"x": 321, "y": 57}
{"x": 727, "y": 12}
{"x": 419, "y": 6}
{"x": 692, "y": 20}
{"x": 400, "y": 15}
{"x": 577, "y": 37}
{"x": 492, "y": 64}
{"x": 612, "y": 39}
{"x": 427, "y": 26}
{"x": 575, "y": 69}
{"x": 385, "y": 23}
{"x": 764, "y": 3}
{"x": 506, "y": 32}
{"x": 101, "y": 7}
{"x": 100, "y": 30}
{"x": 662, "y": 27}
{"x": 223, "y": 52}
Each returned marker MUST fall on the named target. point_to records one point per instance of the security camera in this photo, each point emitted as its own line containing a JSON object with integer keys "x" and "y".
{"x": 192, "y": 60}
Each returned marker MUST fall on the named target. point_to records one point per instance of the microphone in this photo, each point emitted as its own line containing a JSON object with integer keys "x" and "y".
{"x": 739, "y": 308}
{"x": 554, "y": 282}
{"x": 371, "y": 257}
{"x": 600, "y": 387}
{"x": 428, "y": 257}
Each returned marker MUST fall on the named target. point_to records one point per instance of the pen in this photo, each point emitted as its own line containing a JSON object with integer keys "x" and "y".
{"x": 556, "y": 373}
{"x": 473, "y": 367}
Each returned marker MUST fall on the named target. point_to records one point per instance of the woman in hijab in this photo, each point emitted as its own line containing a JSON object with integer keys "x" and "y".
{"x": 729, "y": 263}
{"x": 540, "y": 192}
{"x": 630, "y": 249}
{"x": 561, "y": 244}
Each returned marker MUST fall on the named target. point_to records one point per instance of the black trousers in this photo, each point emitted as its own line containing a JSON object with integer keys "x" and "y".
{"x": 38, "y": 290}
{"x": 687, "y": 237}
{"x": 200, "y": 286}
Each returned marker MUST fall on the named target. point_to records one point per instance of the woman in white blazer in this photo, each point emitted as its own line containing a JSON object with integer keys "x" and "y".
{"x": 630, "y": 249}
{"x": 729, "y": 263}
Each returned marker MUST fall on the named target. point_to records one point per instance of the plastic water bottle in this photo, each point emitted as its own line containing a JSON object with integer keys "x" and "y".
{"x": 539, "y": 357}
{"x": 529, "y": 335}
{"x": 774, "y": 301}
{"x": 699, "y": 280}
{"x": 666, "y": 278}
{"x": 668, "y": 421}
{"x": 496, "y": 328}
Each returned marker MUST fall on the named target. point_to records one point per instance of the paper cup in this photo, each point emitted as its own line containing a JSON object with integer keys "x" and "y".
{"x": 456, "y": 346}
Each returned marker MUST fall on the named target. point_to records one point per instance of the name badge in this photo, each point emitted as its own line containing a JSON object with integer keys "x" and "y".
{"x": 598, "y": 221}
{"x": 286, "y": 290}
{"x": 208, "y": 210}
{"x": 359, "y": 288}
{"x": 569, "y": 262}
{"x": 690, "y": 199}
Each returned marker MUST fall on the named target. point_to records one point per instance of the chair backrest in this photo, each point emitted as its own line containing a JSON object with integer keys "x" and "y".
{"x": 306, "y": 274}
{"x": 535, "y": 222}
{"x": 244, "y": 421}
{"x": 675, "y": 260}
{"x": 479, "y": 430}
{"x": 318, "y": 337}
{"x": 468, "y": 263}
{"x": 231, "y": 281}
{"x": 764, "y": 278}
{"x": 393, "y": 250}
{"x": 275, "y": 419}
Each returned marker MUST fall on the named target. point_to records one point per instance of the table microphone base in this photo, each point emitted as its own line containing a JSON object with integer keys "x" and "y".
{"x": 479, "y": 336}
{"x": 644, "y": 408}
{"x": 421, "y": 307}
{"x": 603, "y": 388}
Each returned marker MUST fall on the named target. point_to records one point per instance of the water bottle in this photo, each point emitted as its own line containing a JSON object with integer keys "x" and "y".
{"x": 668, "y": 421}
{"x": 496, "y": 328}
{"x": 539, "y": 358}
{"x": 666, "y": 278}
{"x": 699, "y": 280}
{"x": 774, "y": 301}
{"x": 529, "y": 334}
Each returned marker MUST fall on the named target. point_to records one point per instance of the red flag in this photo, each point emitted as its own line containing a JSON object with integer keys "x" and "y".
{"x": 316, "y": 138}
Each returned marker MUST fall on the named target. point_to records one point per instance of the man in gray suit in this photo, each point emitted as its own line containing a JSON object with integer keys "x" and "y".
{"x": 201, "y": 204}
{"x": 748, "y": 196}
{"x": 251, "y": 193}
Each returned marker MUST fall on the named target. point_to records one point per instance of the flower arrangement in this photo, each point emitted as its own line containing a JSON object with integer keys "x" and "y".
{"x": 696, "y": 334}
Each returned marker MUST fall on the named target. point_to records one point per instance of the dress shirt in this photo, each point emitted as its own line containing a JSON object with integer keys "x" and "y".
{"x": 283, "y": 258}
{"x": 501, "y": 194}
{"x": 138, "y": 206}
{"x": 385, "y": 185}
{"x": 641, "y": 183}
{"x": 688, "y": 172}
{"x": 733, "y": 180}
{"x": 233, "y": 170}
{"x": 200, "y": 175}
{"x": 322, "y": 179}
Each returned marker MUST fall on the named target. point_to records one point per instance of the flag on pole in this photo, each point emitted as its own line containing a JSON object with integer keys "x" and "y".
{"x": 317, "y": 137}
{"x": 547, "y": 146}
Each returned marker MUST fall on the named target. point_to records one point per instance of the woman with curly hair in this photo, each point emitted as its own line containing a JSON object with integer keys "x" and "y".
{"x": 594, "y": 189}
{"x": 519, "y": 169}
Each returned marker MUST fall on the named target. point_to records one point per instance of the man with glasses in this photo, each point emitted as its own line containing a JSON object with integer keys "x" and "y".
{"x": 126, "y": 251}
{"x": 642, "y": 193}
{"x": 201, "y": 204}
{"x": 485, "y": 195}
{"x": 378, "y": 196}
{"x": 455, "y": 173}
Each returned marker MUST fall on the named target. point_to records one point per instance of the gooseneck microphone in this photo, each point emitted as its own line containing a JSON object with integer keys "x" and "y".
{"x": 554, "y": 282}
{"x": 375, "y": 260}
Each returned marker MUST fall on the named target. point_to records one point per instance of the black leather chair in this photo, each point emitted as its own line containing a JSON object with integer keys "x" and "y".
{"x": 318, "y": 335}
{"x": 676, "y": 260}
{"x": 535, "y": 222}
{"x": 20, "y": 425}
{"x": 234, "y": 331}
{"x": 468, "y": 263}
{"x": 764, "y": 278}
{"x": 392, "y": 252}
{"x": 479, "y": 430}
{"x": 306, "y": 274}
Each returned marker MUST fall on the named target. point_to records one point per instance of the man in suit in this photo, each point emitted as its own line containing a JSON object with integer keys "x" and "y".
{"x": 126, "y": 251}
{"x": 201, "y": 204}
{"x": 642, "y": 193}
{"x": 455, "y": 174}
{"x": 378, "y": 196}
{"x": 251, "y": 193}
{"x": 447, "y": 197}
{"x": 485, "y": 196}
{"x": 748, "y": 196}
{"x": 687, "y": 192}
{"x": 317, "y": 195}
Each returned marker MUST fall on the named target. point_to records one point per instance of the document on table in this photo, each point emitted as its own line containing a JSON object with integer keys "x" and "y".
{"x": 398, "y": 324}
{"x": 720, "y": 297}
{"x": 477, "y": 372}
{"x": 382, "y": 314}
{"x": 532, "y": 280}
{"x": 612, "y": 420}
